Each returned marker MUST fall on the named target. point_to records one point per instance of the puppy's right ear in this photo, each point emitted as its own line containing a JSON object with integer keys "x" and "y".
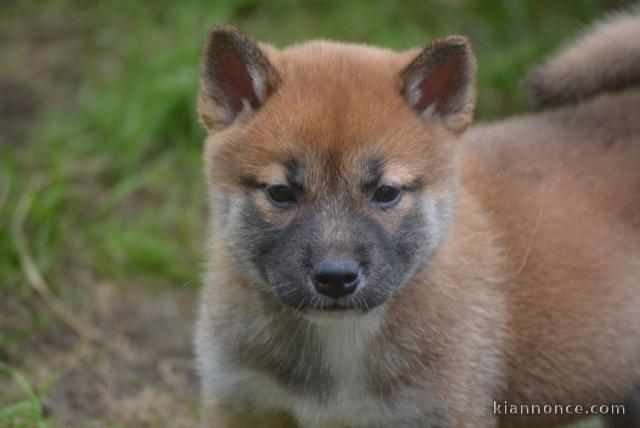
{"x": 236, "y": 78}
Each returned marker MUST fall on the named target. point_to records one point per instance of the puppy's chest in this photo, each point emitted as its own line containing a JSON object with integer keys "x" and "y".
{"x": 349, "y": 398}
{"x": 346, "y": 399}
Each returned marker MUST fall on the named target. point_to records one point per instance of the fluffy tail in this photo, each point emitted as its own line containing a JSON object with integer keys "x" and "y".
{"x": 605, "y": 58}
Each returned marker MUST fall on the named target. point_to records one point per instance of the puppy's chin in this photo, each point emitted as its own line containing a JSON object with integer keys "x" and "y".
{"x": 362, "y": 321}
{"x": 333, "y": 316}
{"x": 317, "y": 311}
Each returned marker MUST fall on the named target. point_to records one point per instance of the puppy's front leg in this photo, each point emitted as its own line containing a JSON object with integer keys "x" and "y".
{"x": 222, "y": 416}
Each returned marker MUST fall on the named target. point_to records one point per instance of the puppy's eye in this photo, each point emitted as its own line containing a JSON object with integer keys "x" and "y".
{"x": 280, "y": 196}
{"x": 386, "y": 196}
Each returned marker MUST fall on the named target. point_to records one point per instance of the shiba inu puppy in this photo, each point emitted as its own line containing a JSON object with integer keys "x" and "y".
{"x": 373, "y": 265}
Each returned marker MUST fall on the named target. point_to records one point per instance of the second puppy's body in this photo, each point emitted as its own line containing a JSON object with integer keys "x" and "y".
{"x": 565, "y": 198}
{"x": 526, "y": 288}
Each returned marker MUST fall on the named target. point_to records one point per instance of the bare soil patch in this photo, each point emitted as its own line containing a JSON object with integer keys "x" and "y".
{"x": 152, "y": 384}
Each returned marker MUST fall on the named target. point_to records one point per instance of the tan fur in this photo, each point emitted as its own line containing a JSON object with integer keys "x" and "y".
{"x": 533, "y": 295}
{"x": 605, "y": 58}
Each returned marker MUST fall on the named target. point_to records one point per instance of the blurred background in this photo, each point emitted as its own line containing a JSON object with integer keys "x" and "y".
{"x": 102, "y": 214}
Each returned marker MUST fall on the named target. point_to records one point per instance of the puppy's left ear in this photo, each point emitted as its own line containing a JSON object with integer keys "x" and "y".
{"x": 440, "y": 82}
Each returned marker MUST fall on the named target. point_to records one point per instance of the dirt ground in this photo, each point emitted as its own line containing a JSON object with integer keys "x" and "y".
{"x": 141, "y": 376}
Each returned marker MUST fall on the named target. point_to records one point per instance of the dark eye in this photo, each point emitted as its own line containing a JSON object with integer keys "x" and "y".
{"x": 386, "y": 196}
{"x": 280, "y": 196}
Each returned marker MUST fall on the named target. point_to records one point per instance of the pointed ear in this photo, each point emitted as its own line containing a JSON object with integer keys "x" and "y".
{"x": 236, "y": 78}
{"x": 440, "y": 82}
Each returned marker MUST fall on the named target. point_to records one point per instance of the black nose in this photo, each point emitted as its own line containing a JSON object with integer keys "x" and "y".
{"x": 336, "y": 278}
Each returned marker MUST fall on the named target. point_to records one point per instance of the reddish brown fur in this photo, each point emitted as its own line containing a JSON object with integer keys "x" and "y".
{"x": 534, "y": 295}
{"x": 564, "y": 201}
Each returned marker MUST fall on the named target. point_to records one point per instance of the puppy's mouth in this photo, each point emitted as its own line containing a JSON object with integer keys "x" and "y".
{"x": 350, "y": 308}
{"x": 335, "y": 307}
{"x": 305, "y": 302}
{"x": 328, "y": 308}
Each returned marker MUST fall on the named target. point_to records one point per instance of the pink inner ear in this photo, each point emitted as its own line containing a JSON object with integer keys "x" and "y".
{"x": 236, "y": 82}
{"x": 441, "y": 86}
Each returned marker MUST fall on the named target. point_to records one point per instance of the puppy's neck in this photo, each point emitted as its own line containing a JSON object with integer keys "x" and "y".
{"x": 348, "y": 333}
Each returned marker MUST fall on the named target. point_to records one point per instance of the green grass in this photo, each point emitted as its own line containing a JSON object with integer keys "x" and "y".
{"x": 114, "y": 172}
{"x": 25, "y": 411}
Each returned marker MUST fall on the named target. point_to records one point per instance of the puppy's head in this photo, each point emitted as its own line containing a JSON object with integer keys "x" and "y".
{"x": 331, "y": 167}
